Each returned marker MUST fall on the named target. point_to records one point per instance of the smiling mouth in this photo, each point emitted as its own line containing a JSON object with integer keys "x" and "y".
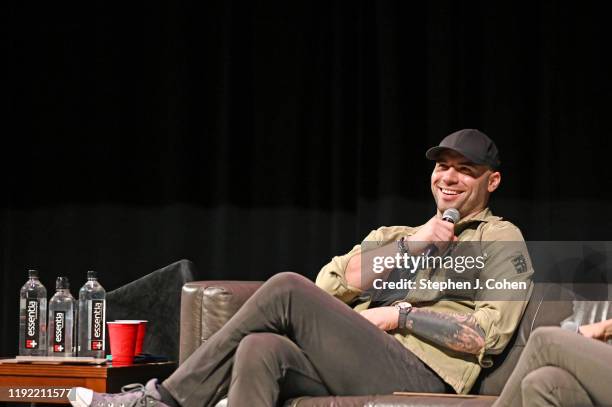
{"x": 449, "y": 192}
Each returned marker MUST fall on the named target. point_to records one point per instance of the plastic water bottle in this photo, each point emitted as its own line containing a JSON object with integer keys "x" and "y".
{"x": 33, "y": 317}
{"x": 92, "y": 318}
{"x": 61, "y": 320}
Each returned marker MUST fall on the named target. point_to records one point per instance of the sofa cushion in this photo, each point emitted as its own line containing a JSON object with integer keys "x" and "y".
{"x": 206, "y": 306}
{"x": 413, "y": 400}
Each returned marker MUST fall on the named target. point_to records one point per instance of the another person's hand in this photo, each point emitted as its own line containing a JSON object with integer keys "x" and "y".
{"x": 601, "y": 331}
{"x": 608, "y": 330}
{"x": 385, "y": 318}
{"x": 436, "y": 231}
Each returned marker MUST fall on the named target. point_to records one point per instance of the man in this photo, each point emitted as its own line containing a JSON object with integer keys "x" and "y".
{"x": 292, "y": 338}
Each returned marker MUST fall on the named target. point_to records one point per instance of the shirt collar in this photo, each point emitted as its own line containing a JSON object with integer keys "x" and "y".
{"x": 484, "y": 215}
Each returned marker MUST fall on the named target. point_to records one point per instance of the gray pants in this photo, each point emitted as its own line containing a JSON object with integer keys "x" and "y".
{"x": 560, "y": 368}
{"x": 293, "y": 339}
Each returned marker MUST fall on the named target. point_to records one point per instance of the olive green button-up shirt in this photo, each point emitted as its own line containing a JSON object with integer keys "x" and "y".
{"x": 506, "y": 258}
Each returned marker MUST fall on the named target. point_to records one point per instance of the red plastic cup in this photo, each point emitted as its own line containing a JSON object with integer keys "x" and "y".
{"x": 142, "y": 330}
{"x": 122, "y": 337}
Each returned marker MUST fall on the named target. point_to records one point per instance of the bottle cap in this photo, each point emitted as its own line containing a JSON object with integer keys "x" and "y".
{"x": 91, "y": 274}
{"x": 62, "y": 283}
{"x": 33, "y": 273}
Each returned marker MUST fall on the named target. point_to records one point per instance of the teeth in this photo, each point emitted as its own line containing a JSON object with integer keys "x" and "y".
{"x": 449, "y": 192}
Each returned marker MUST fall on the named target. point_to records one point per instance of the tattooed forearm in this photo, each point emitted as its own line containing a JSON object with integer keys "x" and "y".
{"x": 458, "y": 332}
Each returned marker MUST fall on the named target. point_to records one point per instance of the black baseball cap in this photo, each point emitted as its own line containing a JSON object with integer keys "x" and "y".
{"x": 472, "y": 144}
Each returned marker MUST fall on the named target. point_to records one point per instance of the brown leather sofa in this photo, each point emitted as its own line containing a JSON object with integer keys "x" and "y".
{"x": 207, "y": 305}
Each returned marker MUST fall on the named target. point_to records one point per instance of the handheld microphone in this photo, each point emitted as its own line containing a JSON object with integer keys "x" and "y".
{"x": 450, "y": 215}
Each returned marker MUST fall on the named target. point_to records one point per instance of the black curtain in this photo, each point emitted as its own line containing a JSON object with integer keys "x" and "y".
{"x": 257, "y": 137}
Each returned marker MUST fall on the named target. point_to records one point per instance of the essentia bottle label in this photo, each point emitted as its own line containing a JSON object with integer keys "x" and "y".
{"x": 59, "y": 336}
{"x": 32, "y": 327}
{"x": 96, "y": 333}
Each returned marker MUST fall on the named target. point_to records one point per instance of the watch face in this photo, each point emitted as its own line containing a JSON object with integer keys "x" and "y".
{"x": 403, "y": 305}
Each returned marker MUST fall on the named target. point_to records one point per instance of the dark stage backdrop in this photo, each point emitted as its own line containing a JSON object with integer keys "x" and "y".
{"x": 257, "y": 137}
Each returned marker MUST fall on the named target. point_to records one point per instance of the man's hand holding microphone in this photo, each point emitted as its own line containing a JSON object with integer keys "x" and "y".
{"x": 435, "y": 235}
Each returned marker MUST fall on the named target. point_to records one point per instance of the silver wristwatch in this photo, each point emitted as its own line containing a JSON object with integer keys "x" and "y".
{"x": 404, "y": 309}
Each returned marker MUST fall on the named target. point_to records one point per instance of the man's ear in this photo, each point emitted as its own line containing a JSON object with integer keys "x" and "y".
{"x": 494, "y": 180}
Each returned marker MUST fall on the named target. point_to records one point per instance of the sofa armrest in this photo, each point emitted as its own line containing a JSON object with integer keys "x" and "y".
{"x": 206, "y": 306}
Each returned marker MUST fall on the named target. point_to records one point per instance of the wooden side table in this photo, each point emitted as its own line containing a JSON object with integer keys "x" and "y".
{"x": 45, "y": 383}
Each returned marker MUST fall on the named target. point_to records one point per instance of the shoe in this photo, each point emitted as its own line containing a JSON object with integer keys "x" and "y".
{"x": 132, "y": 395}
